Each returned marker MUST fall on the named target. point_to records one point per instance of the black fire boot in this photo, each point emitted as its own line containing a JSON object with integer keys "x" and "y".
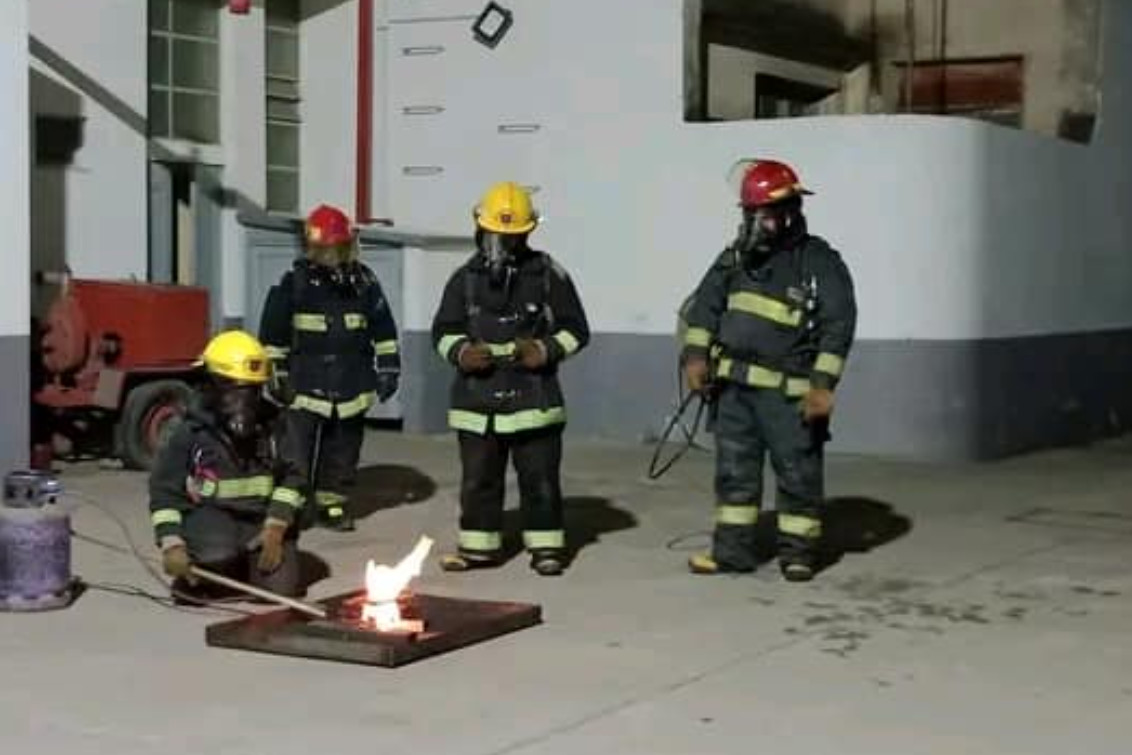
{"x": 797, "y": 568}
{"x": 339, "y": 523}
{"x": 704, "y": 563}
{"x": 468, "y": 560}
{"x": 332, "y": 511}
{"x": 548, "y": 563}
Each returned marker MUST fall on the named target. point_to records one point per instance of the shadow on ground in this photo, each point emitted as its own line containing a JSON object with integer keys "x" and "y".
{"x": 387, "y": 486}
{"x": 587, "y": 519}
{"x": 858, "y": 525}
{"x": 312, "y": 569}
{"x": 851, "y": 524}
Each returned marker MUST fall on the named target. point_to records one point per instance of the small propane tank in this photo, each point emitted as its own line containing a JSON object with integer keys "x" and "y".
{"x": 35, "y": 544}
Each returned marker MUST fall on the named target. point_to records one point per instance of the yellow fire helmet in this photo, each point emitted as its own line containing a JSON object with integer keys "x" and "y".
{"x": 236, "y": 355}
{"x": 506, "y": 208}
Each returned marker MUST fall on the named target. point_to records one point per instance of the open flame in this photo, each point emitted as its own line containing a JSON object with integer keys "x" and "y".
{"x": 384, "y": 584}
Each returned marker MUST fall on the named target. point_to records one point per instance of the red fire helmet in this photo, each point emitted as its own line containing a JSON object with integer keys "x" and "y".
{"x": 767, "y": 181}
{"x": 328, "y": 226}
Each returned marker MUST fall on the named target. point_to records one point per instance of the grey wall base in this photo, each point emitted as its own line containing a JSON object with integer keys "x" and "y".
{"x": 15, "y": 412}
{"x": 985, "y": 399}
{"x": 936, "y": 400}
{"x": 424, "y": 385}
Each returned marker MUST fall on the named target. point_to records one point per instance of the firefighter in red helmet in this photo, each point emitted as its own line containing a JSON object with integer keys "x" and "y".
{"x": 333, "y": 341}
{"x": 768, "y": 331}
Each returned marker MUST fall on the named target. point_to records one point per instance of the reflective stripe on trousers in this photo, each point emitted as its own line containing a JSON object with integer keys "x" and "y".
{"x": 736, "y": 514}
{"x": 485, "y": 542}
{"x": 506, "y": 424}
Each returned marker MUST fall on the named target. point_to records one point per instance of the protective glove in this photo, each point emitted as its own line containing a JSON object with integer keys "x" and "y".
{"x": 475, "y": 357}
{"x": 387, "y": 382}
{"x": 817, "y": 404}
{"x": 271, "y": 545}
{"x": 530, "y": 353}
{"x": 696, "y": 374}
{"x": 177, "y": 564}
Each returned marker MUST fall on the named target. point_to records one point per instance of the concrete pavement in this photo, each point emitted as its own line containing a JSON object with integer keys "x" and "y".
{"x": 980, "y": 609}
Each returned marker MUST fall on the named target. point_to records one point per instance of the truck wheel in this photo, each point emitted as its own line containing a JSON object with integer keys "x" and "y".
{"x": 152, "y": 410}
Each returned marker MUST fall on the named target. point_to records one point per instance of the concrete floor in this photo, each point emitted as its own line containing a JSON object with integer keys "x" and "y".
{"x": 1000, "y": 622}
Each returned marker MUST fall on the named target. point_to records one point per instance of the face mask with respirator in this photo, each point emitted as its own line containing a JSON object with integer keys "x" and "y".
{"x": 764, "y": 229}
{"x": 500, "y": 252}
{"x": 238, "y": 407}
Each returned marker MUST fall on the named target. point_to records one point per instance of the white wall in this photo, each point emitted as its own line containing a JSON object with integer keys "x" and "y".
{"x": 328, "y": 67}
{"x": 15, "y": 209}
{"x": 424, "y": 269}
{"x": 105, "y": 188}
{"x": 954, "y": 229}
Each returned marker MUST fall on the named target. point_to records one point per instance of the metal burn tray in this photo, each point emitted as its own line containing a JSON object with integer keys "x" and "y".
{"x": 450, "y": 623}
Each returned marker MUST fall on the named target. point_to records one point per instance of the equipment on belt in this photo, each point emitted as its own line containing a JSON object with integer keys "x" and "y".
{"x": 118, "y": 364}
{"x": 35, "y": 544}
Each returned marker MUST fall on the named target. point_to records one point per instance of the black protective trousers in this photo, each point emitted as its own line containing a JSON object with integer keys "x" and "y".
{"x": 751, "y": 424}
{"x": 537, "y": 455}
{"x": 328, "y": 450}
{"x": 225, "y": 542}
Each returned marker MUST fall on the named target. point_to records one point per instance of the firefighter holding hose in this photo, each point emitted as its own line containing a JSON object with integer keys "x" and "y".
{"x": 768, "y": 330}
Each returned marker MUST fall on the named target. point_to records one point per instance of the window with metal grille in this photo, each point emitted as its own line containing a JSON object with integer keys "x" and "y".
{"x": 283, "y": 97}
{"x": 184, "y": 70}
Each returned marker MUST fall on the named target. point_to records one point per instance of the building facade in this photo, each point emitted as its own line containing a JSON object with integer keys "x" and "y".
{"x": 987, "y": 248}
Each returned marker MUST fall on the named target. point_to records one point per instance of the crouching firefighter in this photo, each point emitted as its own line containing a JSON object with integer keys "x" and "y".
{"x": 331, "y": 336}
{"x": 211, "y": 487}
{"x": 508, "y": 318}
{"x": 768, "y": 331}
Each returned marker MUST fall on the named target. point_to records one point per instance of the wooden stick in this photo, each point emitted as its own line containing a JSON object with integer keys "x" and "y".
{"x": 298, "y": 605}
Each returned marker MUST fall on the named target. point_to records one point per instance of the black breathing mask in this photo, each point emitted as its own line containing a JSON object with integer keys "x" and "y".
{"x": 768, "y": 228}
{"x": 501, "y": 253}
{"x": 238, "y": 407}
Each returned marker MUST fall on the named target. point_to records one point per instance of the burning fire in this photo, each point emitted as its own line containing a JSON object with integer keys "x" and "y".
{"x": 384, "y": 584}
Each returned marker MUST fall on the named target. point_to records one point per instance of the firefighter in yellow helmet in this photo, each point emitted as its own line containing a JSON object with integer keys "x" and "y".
{"x": 508, "y": 318}
{"x": 212, "y": 488}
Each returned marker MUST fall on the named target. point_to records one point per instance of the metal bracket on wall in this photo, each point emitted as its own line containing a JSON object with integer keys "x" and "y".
{"x": 519, "y": 128}
{"x": 421, "y": 171}
{"x": 422, "y": 110}
{"x": 410, "y": 52}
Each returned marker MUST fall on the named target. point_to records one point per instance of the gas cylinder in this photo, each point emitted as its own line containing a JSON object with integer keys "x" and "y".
{"x": 35, "y": 544}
